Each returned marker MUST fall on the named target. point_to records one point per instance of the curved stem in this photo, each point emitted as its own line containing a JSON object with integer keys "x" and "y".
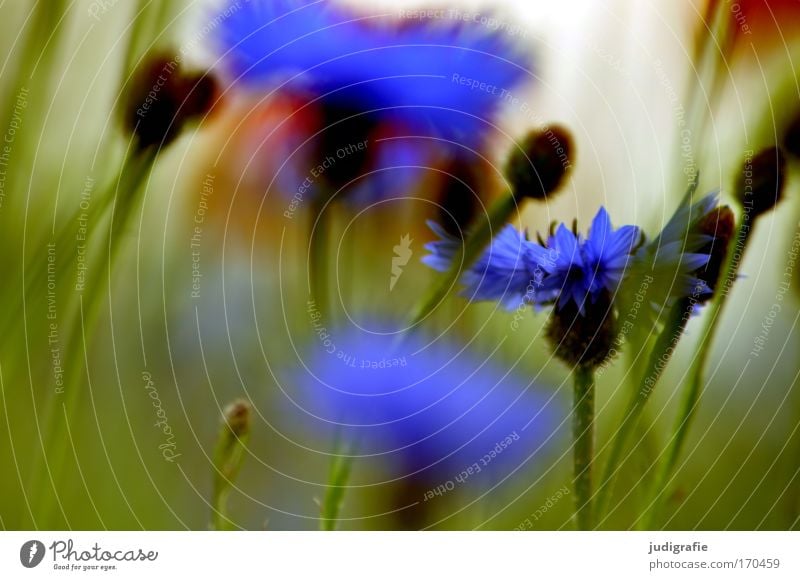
{"x": 125, "y": 188}
{"x": 471, "y": 250}
{"x": 338, "y": 476}
{"x": 228, "y": 459}
{"x": 691, "y": 395}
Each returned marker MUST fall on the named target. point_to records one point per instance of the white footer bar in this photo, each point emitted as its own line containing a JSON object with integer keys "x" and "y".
{"x": 401, "y": 555}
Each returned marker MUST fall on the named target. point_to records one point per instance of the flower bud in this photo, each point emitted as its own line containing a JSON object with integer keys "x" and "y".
{"x": 583, "y": 339}
{"x": 228, "y": 455}
{"x": 237, "y": 417}
{"x": 539, "y": 165}
{"x": 719, "y": 224}
{"x": 233, "y": 435}
{"x": 791, "y": 139}
{"x": 163, "y": 98}
{"x": 760, "y": 185}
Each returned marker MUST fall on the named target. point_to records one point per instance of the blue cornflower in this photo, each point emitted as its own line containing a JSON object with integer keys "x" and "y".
{"x": 671, "y": 261}
{"x": 442, "y": 251}
{"x": 568, "y": 268}
{"x": 403, "y": 89}
{"x": 411, "y": 70}
{"x": 583, "y": 269}
{"x": 430, "y": 409}
{"x": 505, "y": 272}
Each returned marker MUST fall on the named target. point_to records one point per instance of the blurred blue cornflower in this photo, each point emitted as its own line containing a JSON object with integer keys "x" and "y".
{"x": 429, "y": 409}
{"x": 567, "y": 268}
{"x": 414, "y": 92}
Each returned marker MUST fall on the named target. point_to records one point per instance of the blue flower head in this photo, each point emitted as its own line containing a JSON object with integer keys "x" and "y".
{"x": 428, "y": 409}
{"x": 670, "y": 262}
{"x": 568, "y": 268}
{"x": 414, "y": 92}
{"x": 505, "y": 272}
{"x": 582, "y": 269}
{"x": 416, "y": 71}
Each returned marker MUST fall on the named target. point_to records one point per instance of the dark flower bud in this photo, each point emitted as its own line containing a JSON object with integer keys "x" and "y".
{"x": 719, "y": 224}
{"x": 760, "y": 185}
{"x": 204, "y": 92}
{"x": 539, "y": 165}
{"x": 791, "y": 139}
{"x": 583, "y": 339}
{"x": 163, "y": 98}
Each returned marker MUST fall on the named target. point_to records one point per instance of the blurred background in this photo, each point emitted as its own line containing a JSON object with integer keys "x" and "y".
{"x": 207, "y": 301}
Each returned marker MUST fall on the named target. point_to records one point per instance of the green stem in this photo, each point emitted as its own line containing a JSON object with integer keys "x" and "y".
{"x": 583, "y": 447}
{"x": 64, "y": 237}
{"x": 471, "y": 249}
{"x": 691, "y": 395}
{"x": 41, "y": 45}
{"x": 144, "y": 20}
{"x": 228, "y": 458}
{"x": 132, "y": 176}
{"x": 660, "y": 355}
{"x": 341, "y": 465}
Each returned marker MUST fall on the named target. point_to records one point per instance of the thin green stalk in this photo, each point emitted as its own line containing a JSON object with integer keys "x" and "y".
{"x": 131, "y": 178}
{"x": 228, "y": 458}
{"x": 133, "y": 166}
{"x": 470, "y": 251}
{"x": 659, "y": 357}
{"x": 150, "y": 20}
{"x": 339, "y": 474}
{"x": 583, "y": 446}
{"x": 144, "y": 19}
{"x": 64, "y": 237}
{"x": 41, "y": 44}
{"x": 691, "y": 394}
{"x": 710, "y": 71}
{"x": 42, "y": 475}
